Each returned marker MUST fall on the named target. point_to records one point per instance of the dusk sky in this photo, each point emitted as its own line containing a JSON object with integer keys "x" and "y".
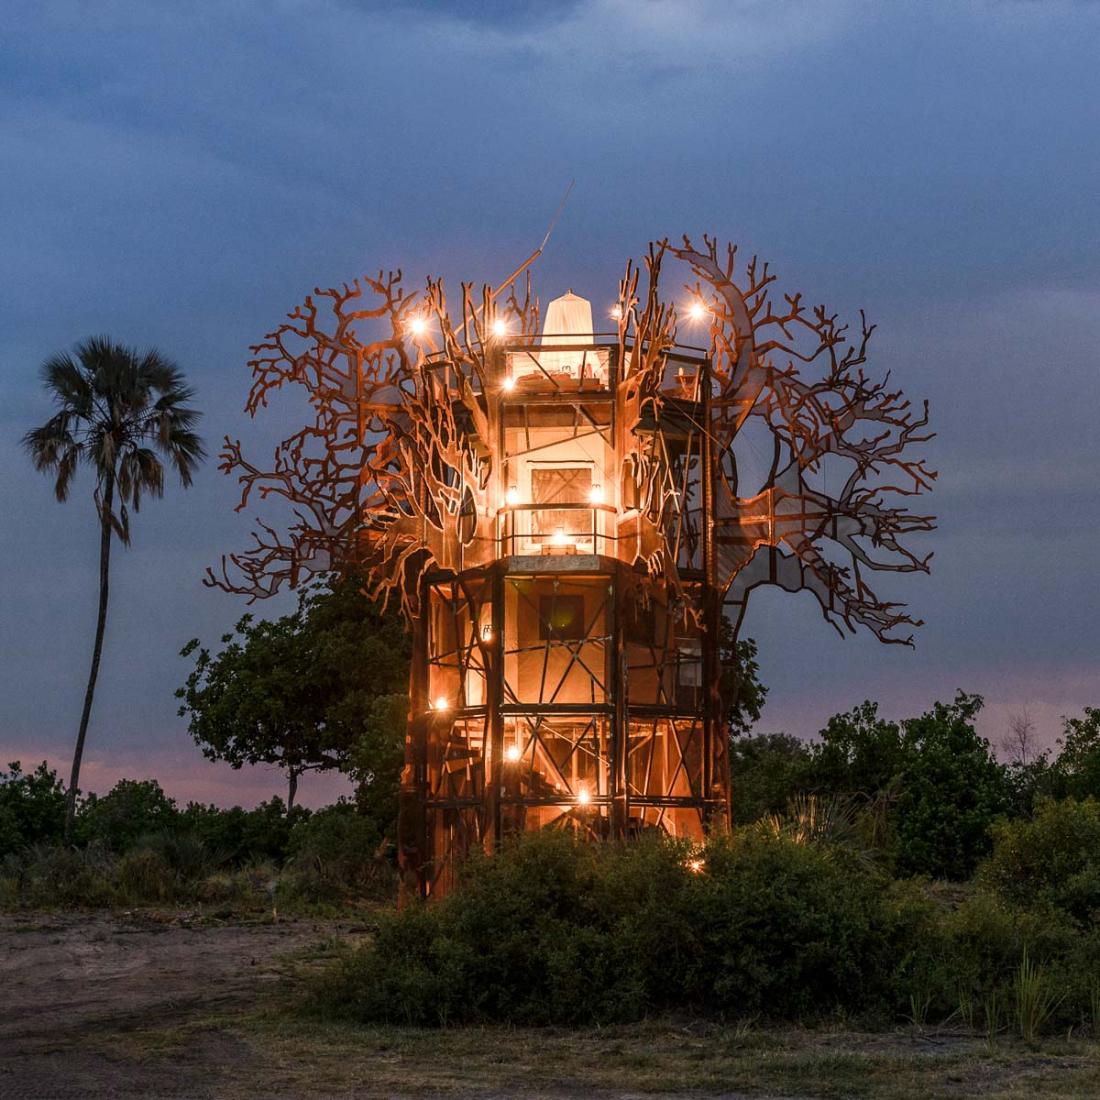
{"x": 182, "y": 175}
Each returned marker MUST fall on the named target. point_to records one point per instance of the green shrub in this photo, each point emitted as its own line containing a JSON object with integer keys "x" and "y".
{"x": 786, "y": 932}
{"x": 52, "y": 876}
{"x": 131, "y": 809}
{"x": 32, "y": 807}
{"x": 766, "y": 771}
{"x": 951, "y": 790}
{"x": 552, "y": 931}
{"x": 182, "y": 852}
{"x": 936, "y": 779}
{"x": 141, "y": 877}
{"x": 243, "y": 837}
{"x": 1051, "y": 860}
{"x": 334, "y": 854}
{"x": 523, "y": 940}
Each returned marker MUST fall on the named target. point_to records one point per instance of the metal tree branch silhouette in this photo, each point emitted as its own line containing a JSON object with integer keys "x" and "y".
{"x": 393, "y": 474}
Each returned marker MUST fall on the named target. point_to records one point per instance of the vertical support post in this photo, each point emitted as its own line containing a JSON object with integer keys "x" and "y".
{"x": 716, "y": 787}
{"x": 494, "y": 697}
{"x": 413, "y": 847}
{"x": 616, "y": 675}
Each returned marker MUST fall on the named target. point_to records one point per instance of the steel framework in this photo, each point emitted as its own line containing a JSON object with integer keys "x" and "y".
{"x": 565, "y": 518}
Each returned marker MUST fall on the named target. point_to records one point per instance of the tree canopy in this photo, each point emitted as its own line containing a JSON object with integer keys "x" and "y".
{"x": 321, "y": 688}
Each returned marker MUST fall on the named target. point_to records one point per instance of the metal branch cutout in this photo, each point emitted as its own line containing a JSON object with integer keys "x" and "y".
{"x": 564, "y": 516}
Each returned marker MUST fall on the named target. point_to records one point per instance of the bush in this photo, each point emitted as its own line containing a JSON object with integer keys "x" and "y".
{"x": 333, "y": 855}
{"x": 1052, "y": 860}
{"x": 32, "y": 808}
{"x": 244, "y": 836}
{"x": 786, "y": 932}
{"x": 766, "y": 771}
{"x": 951, "y": 791}
{"x": 552, "y": 931}
{"x": 47, "y": 876}
{"x": 131, "y": 809}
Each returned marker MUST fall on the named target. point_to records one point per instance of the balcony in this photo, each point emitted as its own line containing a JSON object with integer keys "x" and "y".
{"x": 560, "y": 529}
{"x": 554, "y": 368}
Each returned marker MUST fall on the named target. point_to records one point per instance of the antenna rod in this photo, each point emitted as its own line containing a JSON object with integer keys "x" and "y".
{"x": 538, "y": 251}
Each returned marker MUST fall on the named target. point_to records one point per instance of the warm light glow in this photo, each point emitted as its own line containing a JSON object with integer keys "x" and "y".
{"x": 696, "y": 865}
{"x": 616, "y": 313}
{"x": 559, "y": 537}
{"x": 486, "y": 633}
{"x": 500, "y": 327}
{"x": 511, "y": 498}
{"x": 583, "y": 797}
{"x": 511, "y": 753}
{"x": 508, "y": 384}
{"x": 595, "y": 494}
{"x": 441, "y": 703}
{"x": 418, "y": 326}
{"x": 697, "y": 311}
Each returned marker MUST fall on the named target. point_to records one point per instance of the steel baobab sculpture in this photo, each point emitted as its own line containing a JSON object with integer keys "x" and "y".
{"x": 565, "y": 517}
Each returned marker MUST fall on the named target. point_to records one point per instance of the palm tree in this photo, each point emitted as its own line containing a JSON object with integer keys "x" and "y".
{"x": 119, "y": 412}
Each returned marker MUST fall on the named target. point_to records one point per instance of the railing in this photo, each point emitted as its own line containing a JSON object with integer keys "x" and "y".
{"x": 557, "y": 368}
{"x": 522, "y": 529}
{"x": 543, "y": 366}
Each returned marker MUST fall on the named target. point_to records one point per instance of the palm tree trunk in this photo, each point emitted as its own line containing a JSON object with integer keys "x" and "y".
{"x": 292, "y": 791}
{"x": 97, "y": 651}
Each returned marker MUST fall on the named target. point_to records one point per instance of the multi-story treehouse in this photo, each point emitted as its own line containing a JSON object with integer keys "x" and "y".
{"x": 567, "y": 515}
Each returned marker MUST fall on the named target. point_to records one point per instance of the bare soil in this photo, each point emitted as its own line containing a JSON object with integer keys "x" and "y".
{"x": 71, "y": 983}
{"x": 152, "y": 1005}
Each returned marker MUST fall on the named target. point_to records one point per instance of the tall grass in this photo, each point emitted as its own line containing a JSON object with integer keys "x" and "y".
{"x": 1036, "y": 998}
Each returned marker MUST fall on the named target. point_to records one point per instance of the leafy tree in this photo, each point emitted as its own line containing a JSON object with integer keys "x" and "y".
{"x": 32, "y": 807}
{"x": 237, "y": 836}
{"x": 377, "y": 755}
{"x": 1033, "y": 780}
{"x": 951, "y": 790}
{"x": 1078, "y": 764}
{"x": 859, "y": 753}
{"x": 742, "y": 692}
{"x": 133, "y": 808}
{"x": 120, "y": 412}
{"x": 935, "y": 783}
{"x": 766, "y": 771}
{"x": 1052, "y": 859}
{"x": 311, "y": 691}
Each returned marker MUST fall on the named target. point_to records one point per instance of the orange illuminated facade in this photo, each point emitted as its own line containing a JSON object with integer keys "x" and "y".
{"x": 557, "y": 682}
{"x": 565, "y": 516}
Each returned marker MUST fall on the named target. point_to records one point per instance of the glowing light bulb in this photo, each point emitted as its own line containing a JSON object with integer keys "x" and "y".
{"x": 583, "y": 797}
{"x": 616, "y": 313}
{"x": 418, "y": 326}
{"x": 486, "y": 633}
{"x": 697, "y": 311}
{"x": 595, "y": 494}
{"x": 441, "y": 703}
{"x": 559, "y": 536}
{"x": 508, "y": 384}
{"x": 511, "y": 498}
{"x": 511, "y": 753}
{"x": 695, "y": 866}
{"x": 500, "y": 327}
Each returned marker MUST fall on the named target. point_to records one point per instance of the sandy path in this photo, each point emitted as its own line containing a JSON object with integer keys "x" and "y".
{"x": 64, "y": 980}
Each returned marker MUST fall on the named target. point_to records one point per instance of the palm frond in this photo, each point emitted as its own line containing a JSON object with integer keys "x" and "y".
{"x": 118, "y": 409}
{"x": 69, "y": 385}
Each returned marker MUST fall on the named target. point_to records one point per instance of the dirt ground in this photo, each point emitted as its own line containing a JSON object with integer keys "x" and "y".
{"x": 69, "y": 984}
{"x": 169, "y": 1005}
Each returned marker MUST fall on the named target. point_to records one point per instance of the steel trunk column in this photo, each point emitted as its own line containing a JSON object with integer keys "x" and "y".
{"x": 494, "y": 697}
{"x": 412, "y": 825}
{"x": 719, "y": 816}
{"x": 616, "y": 673}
